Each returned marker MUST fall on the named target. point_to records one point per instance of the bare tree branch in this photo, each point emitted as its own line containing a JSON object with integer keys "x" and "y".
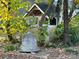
{"x": 3, "y": 3}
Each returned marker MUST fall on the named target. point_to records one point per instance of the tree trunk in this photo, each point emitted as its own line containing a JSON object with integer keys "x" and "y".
{"x": 66, "y": 31}
{"x": 66, "y": 21}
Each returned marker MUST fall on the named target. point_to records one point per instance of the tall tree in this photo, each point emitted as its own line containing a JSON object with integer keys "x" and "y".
{"x": 66, "y": 22}
{"x": 67, "y": 18}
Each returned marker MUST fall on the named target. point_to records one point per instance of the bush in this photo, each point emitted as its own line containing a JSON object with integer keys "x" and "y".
{"x": 57, "y": 36}
{"x": 40, "y": 35}
{"x": 8, "y": 48}
{"x": 74, "y": 30}
{"x": 13, "y": 27}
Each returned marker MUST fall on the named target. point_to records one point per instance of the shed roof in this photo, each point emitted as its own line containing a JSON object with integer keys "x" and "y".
{"x": 42, "y": 7}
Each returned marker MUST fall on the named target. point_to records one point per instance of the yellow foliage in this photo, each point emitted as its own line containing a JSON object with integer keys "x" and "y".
{"x": 77, "y": 1}
{"x": 4, "y": 13}
{"x": 13, "y": 30}
{"x": 5, "y": 1}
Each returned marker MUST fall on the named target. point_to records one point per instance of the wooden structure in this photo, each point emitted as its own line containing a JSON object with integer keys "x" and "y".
{"x": 38, "y": 10}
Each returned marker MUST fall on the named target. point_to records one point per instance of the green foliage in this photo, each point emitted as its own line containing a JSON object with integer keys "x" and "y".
{"x": 58, "y": 31}
{"x": 17, "y": 4}
{"x": 72, "y": 51}
{"x": 40, "y": 1}
{"x": 74, "y": 30}
{"x": 8, "y": 48}
{"x": 76, "y": 2}
{"x": 44, "y": 1}
{"x": 18, "y": 25}
{"x": 31, "y": 20}
{"x": 42, "y": 36}
{"x": 57, "y": 36}
{"x": 49, "y": 1}
{"x": 11, "y": 21}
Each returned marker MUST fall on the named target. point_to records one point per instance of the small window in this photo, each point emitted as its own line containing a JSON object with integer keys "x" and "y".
{"x": 53, "y": 21}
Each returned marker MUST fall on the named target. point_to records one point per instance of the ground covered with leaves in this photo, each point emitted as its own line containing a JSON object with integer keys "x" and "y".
{"x": 44, "y": 53}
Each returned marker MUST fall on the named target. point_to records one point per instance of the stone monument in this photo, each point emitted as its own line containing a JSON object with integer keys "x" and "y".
{"x": 29, "y": 43}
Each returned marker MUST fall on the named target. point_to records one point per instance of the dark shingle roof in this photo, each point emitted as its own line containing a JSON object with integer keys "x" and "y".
{"x": 44, "y": 6}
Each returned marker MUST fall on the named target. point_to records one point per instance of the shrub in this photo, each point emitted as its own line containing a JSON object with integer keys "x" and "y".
{"x": 8, "y": 48}
{"x": 57, "y": 36}
{"x": 74, "y": 30}
{"x": 40, "y": 35}
{"x": 13, "y": 27}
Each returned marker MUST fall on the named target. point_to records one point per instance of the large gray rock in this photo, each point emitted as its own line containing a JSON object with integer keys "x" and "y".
{"x": 29, "y": 43}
